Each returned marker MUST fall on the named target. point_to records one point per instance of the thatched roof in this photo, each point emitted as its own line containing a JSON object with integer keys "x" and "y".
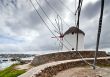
{"x": 74, "y": 30}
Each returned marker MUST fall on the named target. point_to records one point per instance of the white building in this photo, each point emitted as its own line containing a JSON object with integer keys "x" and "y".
{"x": 70, "y": 39}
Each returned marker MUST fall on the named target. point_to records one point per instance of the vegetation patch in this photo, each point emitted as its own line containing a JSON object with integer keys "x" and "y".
{"x": 11, "y": 71}
{"x": 103, "y": 65}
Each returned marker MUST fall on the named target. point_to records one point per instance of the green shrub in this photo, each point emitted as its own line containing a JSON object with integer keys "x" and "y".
{"x": 11, "y": 72}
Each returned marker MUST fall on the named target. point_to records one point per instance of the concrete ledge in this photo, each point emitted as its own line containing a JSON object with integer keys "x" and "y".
{"x": 42, "y": 59}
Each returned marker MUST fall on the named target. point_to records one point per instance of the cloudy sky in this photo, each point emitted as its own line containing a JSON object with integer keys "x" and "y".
{"x": 22, "y": 30}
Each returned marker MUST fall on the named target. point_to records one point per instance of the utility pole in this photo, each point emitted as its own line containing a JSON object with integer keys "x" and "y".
{"x": 77, "y": 25}
{"x": 98, "y": 34}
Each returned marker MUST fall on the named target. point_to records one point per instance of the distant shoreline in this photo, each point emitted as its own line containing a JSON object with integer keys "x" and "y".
{"x": 6, "y": 64}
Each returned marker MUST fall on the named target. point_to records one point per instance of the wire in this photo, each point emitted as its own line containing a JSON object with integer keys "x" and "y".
{"x": 55, "y": 11}
{"x": 45, "y": 23}
{"x": 46, "y": 15}
{"x": 66, "y": 6}
{"x": 67, "y": 41}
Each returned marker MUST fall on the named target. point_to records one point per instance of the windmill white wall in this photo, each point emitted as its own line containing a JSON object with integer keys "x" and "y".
{"x": 72, "y": 39}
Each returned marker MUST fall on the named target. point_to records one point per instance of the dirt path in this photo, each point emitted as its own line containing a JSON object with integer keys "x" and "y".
{"x": 24, "y": 67}
{"x": 84, "y": 72}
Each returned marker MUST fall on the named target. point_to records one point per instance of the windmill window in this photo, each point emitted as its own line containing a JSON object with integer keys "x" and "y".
{"x": 72, "y": 48}
{"x": 72, "y": 33}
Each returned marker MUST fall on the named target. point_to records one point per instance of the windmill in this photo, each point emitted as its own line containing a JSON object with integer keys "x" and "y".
{"x": 59, "y": 31}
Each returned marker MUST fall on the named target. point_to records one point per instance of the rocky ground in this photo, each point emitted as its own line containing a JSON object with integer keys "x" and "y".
{"x": 85, "y": 72}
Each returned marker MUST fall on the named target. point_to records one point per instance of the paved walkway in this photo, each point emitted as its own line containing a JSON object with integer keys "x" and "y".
{"x": 38, "y": 69}
{"x": 85, "y": 72}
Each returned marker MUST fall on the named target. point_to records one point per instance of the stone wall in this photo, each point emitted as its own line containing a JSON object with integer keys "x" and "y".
{"x": 38, "y": 60}
{"x": 53, "y": 70}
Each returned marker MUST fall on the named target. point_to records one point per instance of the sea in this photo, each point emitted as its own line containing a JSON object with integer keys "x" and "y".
{"x": 5, "y": 64}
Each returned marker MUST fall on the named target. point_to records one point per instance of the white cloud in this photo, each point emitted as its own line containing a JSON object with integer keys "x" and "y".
{"x": 29, "y": 35}
{"x": 23, "y": 23}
